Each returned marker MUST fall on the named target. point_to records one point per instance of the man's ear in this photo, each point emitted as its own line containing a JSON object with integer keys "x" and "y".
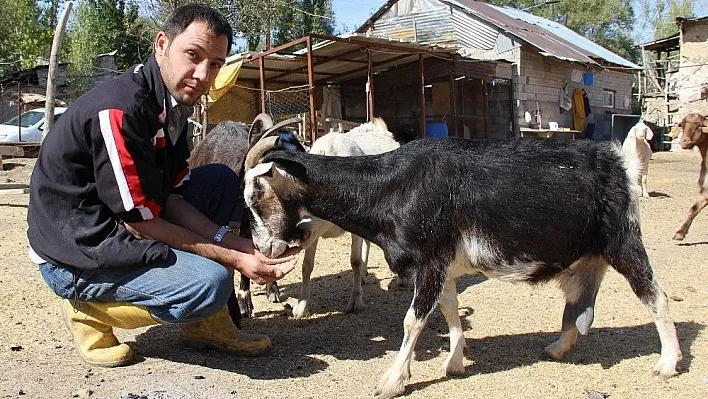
{"x": 162, "y": 42}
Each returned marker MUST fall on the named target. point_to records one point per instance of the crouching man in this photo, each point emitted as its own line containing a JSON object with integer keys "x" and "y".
{"x": 119, "y": 225}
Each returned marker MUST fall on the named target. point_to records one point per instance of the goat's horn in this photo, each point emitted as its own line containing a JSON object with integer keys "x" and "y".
{"x": 262, "y": 123}
{"x": 258, "y": 150}
{"x": 281, "y": 125}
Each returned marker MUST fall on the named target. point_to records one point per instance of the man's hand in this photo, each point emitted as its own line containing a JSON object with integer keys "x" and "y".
{"x": 263, "y": 270}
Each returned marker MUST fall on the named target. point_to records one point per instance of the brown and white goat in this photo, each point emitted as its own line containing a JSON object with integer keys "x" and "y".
{"x": 447, "y": 207}
{"x": 694, "y": 133}
{"x": 637, "y": 150}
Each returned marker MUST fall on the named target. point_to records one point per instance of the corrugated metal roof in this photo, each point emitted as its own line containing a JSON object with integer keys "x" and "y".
{"x": 580, "y": 41}
{"x": 551, "y": 38}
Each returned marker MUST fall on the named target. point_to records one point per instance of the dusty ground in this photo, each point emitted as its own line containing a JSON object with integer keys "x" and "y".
{"x": 336, "y": 355}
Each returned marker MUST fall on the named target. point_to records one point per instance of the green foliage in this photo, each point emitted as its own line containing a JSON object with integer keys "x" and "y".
{"x": 103, "y": 26}
{"x": 608, "y": 23}
{"x": 284, "y": 20}
{"x": 660, "y": 15}
{"x": 25, "y": 35}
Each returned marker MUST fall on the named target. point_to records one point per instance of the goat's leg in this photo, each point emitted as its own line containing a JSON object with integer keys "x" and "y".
{"x": 645, "y": 191}
{"x": 429, "y": 285}
{"x": 632, "y": 262}
{"x": 449, "y": 307}
{"x": 358, "y": 257}
{"x": 273, "y": 292}
{"x": 700, "y": 203}
{"x": 302, "y": 308}
{"x": 245, "y": 303}
{"x": 580, "y": 284}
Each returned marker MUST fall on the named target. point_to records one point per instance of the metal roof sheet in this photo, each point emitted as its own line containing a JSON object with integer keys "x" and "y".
{"x": 592, "y": 49}
{"x": 551, "y": 38}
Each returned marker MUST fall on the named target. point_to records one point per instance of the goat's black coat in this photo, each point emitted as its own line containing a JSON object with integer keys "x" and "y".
{"x": 536, "y": 200}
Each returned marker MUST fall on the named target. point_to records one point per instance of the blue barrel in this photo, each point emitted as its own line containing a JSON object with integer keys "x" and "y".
{"x": 435, "y": 129}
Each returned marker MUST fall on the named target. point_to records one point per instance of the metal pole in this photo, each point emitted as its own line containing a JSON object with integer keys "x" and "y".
{"x": 261, "y": 67}
{"x": 370, "y": 85}
{"x": 422, "y": 96}
{"x": 19, "y": 111}
{"x": 453, "y": 97}
{"x": 311, "y": 83}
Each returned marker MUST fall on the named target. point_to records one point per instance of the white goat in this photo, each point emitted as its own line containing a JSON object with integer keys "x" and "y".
{"x": 637, "y": 150}
{"x": 367, "y": 139}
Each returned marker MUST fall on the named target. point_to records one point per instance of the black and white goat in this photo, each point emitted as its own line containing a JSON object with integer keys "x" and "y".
{"x": 443, "y": 208}
{"x": 366, "y": 139}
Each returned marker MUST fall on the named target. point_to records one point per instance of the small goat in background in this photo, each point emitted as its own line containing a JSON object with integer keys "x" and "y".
{"x": 637, "y": 151}
{"x": 694, "y": 133}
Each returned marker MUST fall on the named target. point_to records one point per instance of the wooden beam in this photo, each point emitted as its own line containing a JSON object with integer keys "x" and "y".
{"x": 279, "y": 48}
{"x": 422, "y": 96}
{"x": 455, "y": 130}
{"x": 370, "y": 84}
{"x": 261, "y": 64}
{"x": 388, "y": 61}
{"x": 311, "y": 83}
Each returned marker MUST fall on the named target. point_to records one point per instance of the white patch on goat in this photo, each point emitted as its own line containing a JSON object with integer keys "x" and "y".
{"x": 485, "y": 257}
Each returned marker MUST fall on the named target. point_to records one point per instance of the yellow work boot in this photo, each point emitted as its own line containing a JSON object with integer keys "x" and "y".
{"x": 219, "y": 332}
{"x": 91, "y": 324}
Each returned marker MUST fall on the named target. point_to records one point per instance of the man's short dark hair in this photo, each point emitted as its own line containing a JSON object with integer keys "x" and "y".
{"x": 184, "y": 15}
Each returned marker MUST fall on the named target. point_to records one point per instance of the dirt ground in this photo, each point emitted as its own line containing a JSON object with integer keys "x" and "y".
{"x": 337, "y": 355}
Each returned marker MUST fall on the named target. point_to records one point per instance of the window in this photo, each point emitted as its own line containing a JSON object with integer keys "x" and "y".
{"x": 609, "y": 98}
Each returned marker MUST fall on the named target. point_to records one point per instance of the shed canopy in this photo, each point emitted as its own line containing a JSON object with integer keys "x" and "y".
{"x": 335, "y": 59}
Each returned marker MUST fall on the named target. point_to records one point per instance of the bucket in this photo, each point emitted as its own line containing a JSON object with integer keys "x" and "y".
{"x": 435, "y": 129}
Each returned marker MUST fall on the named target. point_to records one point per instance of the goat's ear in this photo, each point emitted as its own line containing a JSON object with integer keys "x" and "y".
{"x": 650, "y": 134}
{"x": 262, "y": 169}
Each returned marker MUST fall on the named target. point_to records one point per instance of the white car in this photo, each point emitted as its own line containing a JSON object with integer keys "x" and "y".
{"x": 32, "y": 124}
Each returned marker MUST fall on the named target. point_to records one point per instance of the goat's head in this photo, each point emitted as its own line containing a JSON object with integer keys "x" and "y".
{"x": 641, "y": 132}
{"x": 694, "y": 128}
{"x": 275, "y": 192}
{"x": 273, "y": 195}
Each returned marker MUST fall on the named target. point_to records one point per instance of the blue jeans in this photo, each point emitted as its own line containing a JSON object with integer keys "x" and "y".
{"x": 185, "y": 287}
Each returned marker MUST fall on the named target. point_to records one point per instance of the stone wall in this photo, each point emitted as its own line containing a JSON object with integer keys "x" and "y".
{"x": 693, "y": 70}
{"x": 540, "y": 79}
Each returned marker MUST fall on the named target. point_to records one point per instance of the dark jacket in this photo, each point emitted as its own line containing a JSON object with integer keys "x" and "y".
{"x": 106, "y": 161}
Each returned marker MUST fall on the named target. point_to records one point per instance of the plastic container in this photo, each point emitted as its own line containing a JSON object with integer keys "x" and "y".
{"x": 435, "y": 129}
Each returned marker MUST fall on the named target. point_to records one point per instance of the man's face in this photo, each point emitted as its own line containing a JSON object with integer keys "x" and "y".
{"x": 190, "y": 62}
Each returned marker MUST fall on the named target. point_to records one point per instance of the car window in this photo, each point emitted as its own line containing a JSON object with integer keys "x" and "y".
{"x": 57, "y": 117}
{"x": 29, "y": 118}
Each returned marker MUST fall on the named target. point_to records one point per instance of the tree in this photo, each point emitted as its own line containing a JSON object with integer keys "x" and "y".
{"x": 269, "y": 23}
{"x": 25, "y": 35}
{"x": 660, "y": 15}
{"x": 102, "y": 26}
{"x": 608, "y": 23}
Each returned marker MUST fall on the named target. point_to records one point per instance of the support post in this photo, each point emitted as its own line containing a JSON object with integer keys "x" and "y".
{"x": 261, "y": 74}
{"x": 453, "y": 106}
{"x": 52, "y": 73}
{"x": 311, "y": 84}
{"x": 370, "y": 85}
{"x": 422, "y": 96}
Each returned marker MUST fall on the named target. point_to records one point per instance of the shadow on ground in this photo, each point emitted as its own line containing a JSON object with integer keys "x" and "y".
{"x": 299, "y": 345}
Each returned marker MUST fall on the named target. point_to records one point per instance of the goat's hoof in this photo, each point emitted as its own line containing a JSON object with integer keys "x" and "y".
{"x": 245, "y": 304}
{"x": 454, "y": 367}
{"x": 556, "y": 350}
{"x": 679, "y": 236}
{"x": 355, "y": 306}
{"x": 392, "y": 384}
{"x": 665, "y": 368}
{"x": 301, "y": 310}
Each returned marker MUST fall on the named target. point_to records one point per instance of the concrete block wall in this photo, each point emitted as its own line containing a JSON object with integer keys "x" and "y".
{"x": 693, "y": 69}
{"x": 540, "y": 79}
